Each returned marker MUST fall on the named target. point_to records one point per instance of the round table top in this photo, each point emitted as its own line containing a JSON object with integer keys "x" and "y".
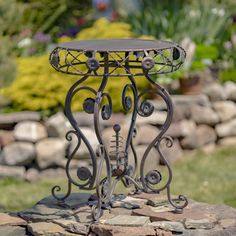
{"x": 122, "y": 57}
{"x": 117, "y": 45}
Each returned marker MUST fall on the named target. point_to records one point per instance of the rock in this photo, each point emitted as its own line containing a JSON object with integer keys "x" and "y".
{"x": 50, "y": 229}
{"x": 215, "y": 92}
{"x": 30, "y": 131}
{"x": 231, "y": 231}
{"x": 126, "y": 220}
{"x": 226, "y": 110}
{"x": 8, "y": 120}
{"x": 159, "y": 201}
{"x": 120, "y": 211}
{"x": 127, "y": 202}
{"x": 6, "y": 219}
{"x": 148, "y": 196}
{"x": 202, "y": 136}
{"x": 157, "y": 118}
{"x": 57, "y": 125}
{"x": 158, "y": 104}
{"x": 209, "y": 148}
{"x": 171, "y": 216}
{"x": 19, "y": 154}
{"x": 13, "y": 231}
{"x": 181, "y": 111}
{"x": 31, "y": 175}
{"x": 6, "y": 137}
{"x": 73, "y": 226}
{"x": 175, "y": 131}
{"x": 204, "y": 115}
{"x": 12, "y": 172}
{"x": 225, "y": 223}
{"x": 175, "y": 227}
{"x": 116, "y": 118}
{"x": 146, "y": 134}
{"x": 230, "y": 90}
{"x": 109, "y": 230}
{"x": 226, "y": 129}
{"x": 75, "y": 199}
{"x": 42, "y": 212}
{"x": 83, "y": 214}
{"x": 218, "y": 211}
{"x": 201, "y": 100}
{"x": 152, "y": 160}
{"x": 198, "y": 224}
{"x": 227, "y": 142}
{"x": 83, "y": 152}
{"x": 188, "y": 127}
{"x": 171, "y": 154}
{"x": 205, "y": 135}
{"x": 162, "y": 208}
{"x": 83, "y": 119}
{"x": 50, "y": 151}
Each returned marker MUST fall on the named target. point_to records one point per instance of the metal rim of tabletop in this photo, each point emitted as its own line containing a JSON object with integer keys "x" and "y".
{"x": 158, "y": 57}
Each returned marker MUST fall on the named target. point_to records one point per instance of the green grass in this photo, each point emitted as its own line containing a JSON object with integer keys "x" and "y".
{"x": 209, "y": 178}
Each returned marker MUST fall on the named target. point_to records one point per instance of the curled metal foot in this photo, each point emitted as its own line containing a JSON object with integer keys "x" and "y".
{"x": 179, "y": 204}
{"x": 57, "y": 188}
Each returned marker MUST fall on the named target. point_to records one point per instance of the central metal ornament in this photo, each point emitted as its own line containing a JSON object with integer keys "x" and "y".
{"x": 103, "y": 58}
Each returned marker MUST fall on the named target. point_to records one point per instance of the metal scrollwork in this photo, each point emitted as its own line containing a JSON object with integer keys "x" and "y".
{"x": 153, "y": 177}
{"x": 145, "y": 109}
{"x": 99, "y": 105}
{"x": 88, "y": 105}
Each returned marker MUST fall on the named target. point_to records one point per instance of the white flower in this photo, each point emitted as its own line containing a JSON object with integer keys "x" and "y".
{"x": 221, "y": 12}
{"x": 24, "y": 42}
{"x": 214, "y": 11}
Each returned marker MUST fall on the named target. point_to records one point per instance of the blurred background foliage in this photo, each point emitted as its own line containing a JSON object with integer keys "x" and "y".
{"x": 206, "y": 29}
{"x": 39, "y": 87}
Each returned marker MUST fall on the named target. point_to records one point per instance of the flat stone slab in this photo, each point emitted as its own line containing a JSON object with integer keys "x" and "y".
{"x": 49, "y": 229}
{"x": 125, "y": 220}
{"x": 128, "y": 202}
{"x": 225, "y": 223}
{"x": 7, "y": 219}
{"x": 8, "y": 120}
{"x": 72, "y": 226}
{"x": 176, "y": 227}
{"x": 12, "y": 231}
{"x": 73, "y": 201}
{"x": 198, "y": 224}
{"x": 171, "y": 216}
{"x": 108, "y": 230}
{"x": 42, "y": 212}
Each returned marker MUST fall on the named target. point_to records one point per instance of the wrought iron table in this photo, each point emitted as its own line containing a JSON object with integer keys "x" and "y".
{"x": 107, "y": 59}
